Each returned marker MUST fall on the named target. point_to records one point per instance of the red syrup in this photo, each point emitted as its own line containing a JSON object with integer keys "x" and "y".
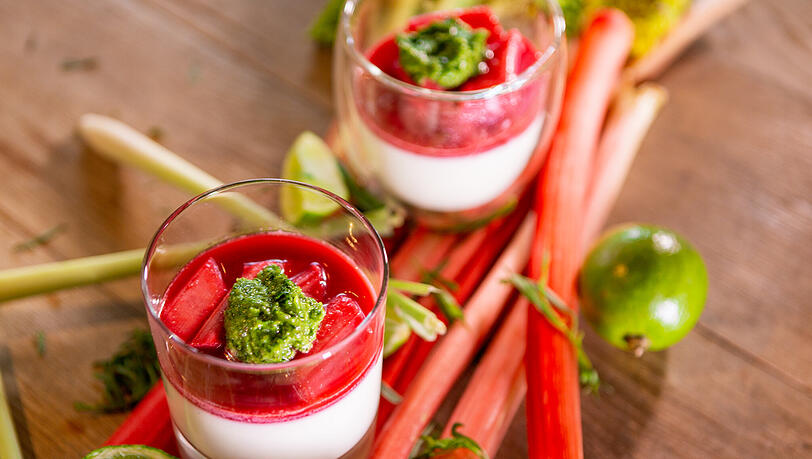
{"x": 438, "y": 128}
{"x": 193, "y": 310}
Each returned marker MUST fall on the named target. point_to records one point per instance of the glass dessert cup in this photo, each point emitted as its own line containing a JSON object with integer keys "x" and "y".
{"x": 318, "y": 405}
{"x": 455, "y": 158}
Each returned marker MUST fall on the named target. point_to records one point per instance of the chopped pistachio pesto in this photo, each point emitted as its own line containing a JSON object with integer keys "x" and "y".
{"x": 269, "y": 319}
{"x": 447, "y": 52}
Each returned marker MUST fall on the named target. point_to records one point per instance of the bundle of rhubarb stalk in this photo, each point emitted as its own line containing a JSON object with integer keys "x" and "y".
{"x": 534, "y": 349}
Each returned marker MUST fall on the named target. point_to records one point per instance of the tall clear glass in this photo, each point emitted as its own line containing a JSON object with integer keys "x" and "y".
{"x": 454, "y": 158}
{"x": 321, "y": 405}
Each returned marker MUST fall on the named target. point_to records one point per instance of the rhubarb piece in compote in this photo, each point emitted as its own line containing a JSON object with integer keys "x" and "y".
{"x": 250, "y": 270}
{"x": 195, "y": 301}
{"x": 342, "y": 316}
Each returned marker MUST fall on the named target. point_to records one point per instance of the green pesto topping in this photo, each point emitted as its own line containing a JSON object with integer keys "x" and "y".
{"x": 447, "y": 52}
{"x": 269, "y": 318}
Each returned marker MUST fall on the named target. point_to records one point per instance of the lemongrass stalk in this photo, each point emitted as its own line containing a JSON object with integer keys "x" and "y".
{"x": 120, "y": 142}
{"x": 49, "y": 277}
{"x": 9, "y": 446}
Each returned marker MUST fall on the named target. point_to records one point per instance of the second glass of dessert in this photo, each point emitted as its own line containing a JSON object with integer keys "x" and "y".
{"x": 268, "y": 322}
{"x": 449, "y": 111}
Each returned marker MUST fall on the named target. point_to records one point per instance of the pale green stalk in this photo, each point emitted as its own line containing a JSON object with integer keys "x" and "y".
{"x": 119, "y": 142}
{"x": 49, "y": 277}
{"x": 412, "y": 288}
{"x": 9, "y": 446}
{"x": 421, "y": 320}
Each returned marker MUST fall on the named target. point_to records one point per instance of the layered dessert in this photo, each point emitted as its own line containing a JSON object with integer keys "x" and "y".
{"x": 465, "y": 125}
{"x": 284, "y": 363}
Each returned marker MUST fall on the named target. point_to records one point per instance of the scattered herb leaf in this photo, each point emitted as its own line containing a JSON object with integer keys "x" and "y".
{"x": 448, "y": 305}
{"x": 127, "y": 376}
{"x": 433, "y": 446}
{"x": 551, "y": 307}
{"x": 39, "y": 343}
{"x": 435, "y": 277}
{"x": 390, "y": 394}
{"x": 81, "y": 63}
{"x": 40, "y": 239}
{"x": 155, "y": 133}
{"x": 323, "y": 30}
{"x": 193, "y": 72}
{"x": 360, "y": 196}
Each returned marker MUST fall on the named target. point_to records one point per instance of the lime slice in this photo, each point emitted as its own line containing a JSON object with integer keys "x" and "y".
{"x": 310, "y": 160}
{"x": 128, "y": 452}
{"x": 395, "y": 333}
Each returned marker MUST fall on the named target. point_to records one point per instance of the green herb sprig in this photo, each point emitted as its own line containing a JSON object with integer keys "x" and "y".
{"x": 127, "y": 376}
{"x": 552, "y": 307}
{"x": 434, "y": 446}
{"x": 40, "y": 239}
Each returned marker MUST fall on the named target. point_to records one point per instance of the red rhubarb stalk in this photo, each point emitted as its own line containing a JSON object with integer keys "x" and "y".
{"x": 485, "y": 409}
{"x": 492, "y": 397}
{"x": 553, "y": 401}
{"x": 467, "y": 265}
{"x": 421, "y": 251}
{"x": 148, "y": 423}
{"x": 452, "y": 354}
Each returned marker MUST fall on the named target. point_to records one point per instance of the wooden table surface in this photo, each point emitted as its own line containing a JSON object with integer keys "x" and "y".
{"x": 728, "y": 164}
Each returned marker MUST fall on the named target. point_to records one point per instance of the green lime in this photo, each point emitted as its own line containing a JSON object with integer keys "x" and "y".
{"x": 310, "y": 160}
{"x": 643, "y": 287}
{"x": 395, "y": 333}
{"x": 128, "y": 452}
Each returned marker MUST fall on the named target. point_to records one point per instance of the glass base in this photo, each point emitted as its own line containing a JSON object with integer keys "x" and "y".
{"x": 361, "y": 450}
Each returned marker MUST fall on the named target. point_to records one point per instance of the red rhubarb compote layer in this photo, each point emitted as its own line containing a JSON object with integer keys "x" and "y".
{"x": 430, "y": 127}
{"x": 193, "y": 309}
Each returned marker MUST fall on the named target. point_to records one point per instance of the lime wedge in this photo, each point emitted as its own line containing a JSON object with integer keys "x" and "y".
{"x": 128, "y": 452}
{"x": 395, "y": 333}
{"x": 310, "y": 160}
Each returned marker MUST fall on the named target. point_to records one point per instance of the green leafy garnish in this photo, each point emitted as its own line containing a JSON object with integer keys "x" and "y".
{"x": 323, "y": 29}
{"x": 435, "y": 277}
{"x": 82, "y": 63}
{"x": 552, "y": 307}
{"x": 127, "y": 376}
{"x": 269, "y": 318}
{"x": 39, "y": 343}
{"x": 574, "y": 12}
{"x": 447, "y": 52}
{"x": 433, "y": 446}
{"x": 40, "y": 239}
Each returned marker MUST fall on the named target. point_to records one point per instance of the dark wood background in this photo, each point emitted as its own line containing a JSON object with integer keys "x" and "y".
{"x": 231, "y": 83}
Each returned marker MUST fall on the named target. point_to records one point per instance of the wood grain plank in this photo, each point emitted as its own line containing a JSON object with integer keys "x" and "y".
{"x": 694, "y": 400}
{"x": 269, "y": 36}
{"x": 736, "y": 181}
{"x": 727, "y": 164}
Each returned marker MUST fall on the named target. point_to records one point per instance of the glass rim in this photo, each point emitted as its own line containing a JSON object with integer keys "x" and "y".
{"x": 528, "y": 75}
{"x": 266, "y": 367}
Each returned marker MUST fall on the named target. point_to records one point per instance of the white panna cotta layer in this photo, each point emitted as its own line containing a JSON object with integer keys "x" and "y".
{"x": 325, "y": 434}
{"x": 453, "y": 183}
